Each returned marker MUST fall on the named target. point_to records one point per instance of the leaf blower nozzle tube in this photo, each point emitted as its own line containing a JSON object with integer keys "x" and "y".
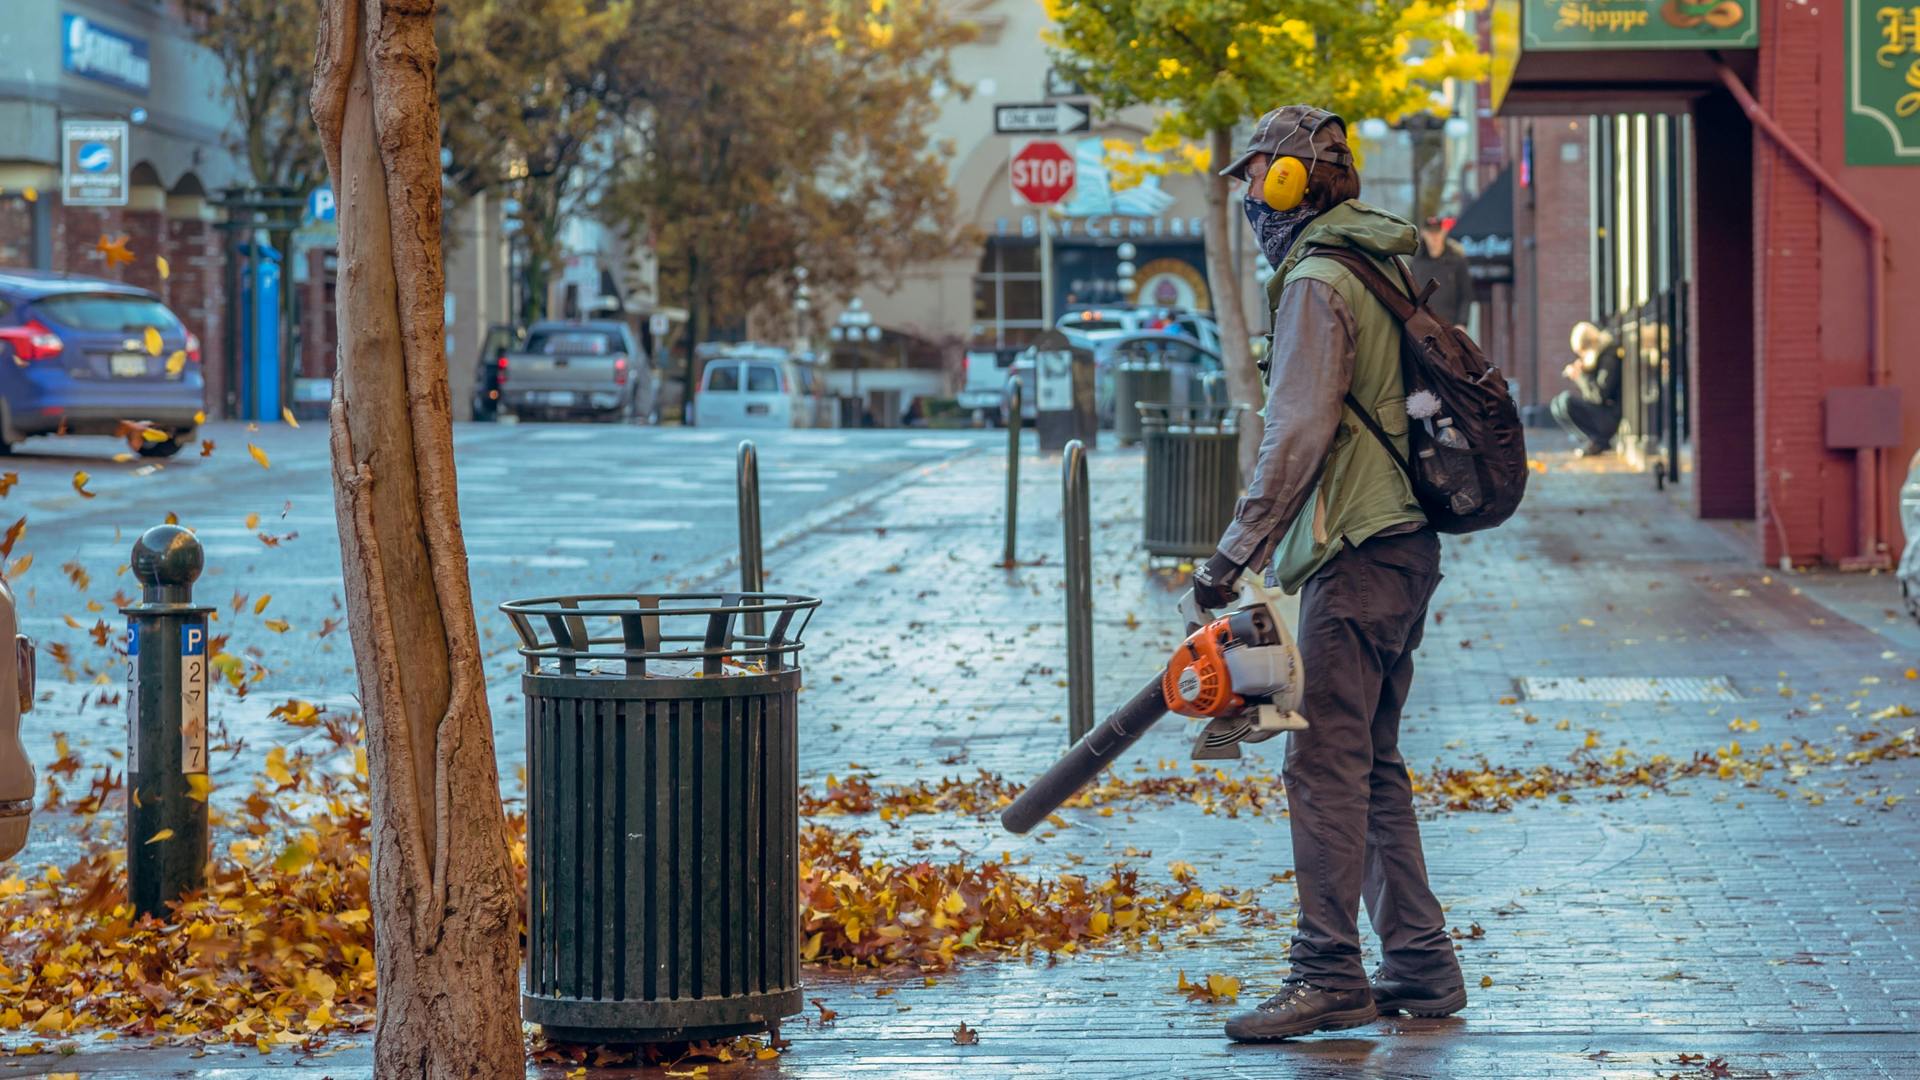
{"x": 1087, "y": 757}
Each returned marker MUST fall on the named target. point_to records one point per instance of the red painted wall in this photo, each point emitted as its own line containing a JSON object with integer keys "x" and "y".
{"x": 1812, "y": 264}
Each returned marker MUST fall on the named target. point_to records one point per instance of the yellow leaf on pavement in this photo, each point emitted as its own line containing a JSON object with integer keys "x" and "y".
{"x": 259, "y": 455}
{"x": 19, "y": 566}
{"x": 253, "y": 521}
{"x": 80, "y": 479}
{"x": 199, "y": 416}
{"x": 163, "y": 834}
{"x": 287, "y": 415}
{"x": 277, "y": 770}
{"x": 154, "y": 344}
{"x": 260, "y": 605}
{"x": 278, "y": 626}
{"x": 294, "y": 859}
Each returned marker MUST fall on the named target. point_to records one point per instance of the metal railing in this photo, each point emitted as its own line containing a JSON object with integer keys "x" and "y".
{"x": 753, "y": 573}
{"x": 1078, "y": 529}
{"x": 1014, "y": 408}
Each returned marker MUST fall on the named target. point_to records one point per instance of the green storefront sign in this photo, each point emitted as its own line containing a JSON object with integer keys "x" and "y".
{"x": 1883, "y": 83}
{"x": 1640, "y": 24}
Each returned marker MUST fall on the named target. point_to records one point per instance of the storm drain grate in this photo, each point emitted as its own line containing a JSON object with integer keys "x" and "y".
{"x": 1614, "y": 688}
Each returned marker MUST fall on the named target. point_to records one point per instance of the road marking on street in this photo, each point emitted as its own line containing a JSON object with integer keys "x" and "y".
{"x": 535, "y": 562}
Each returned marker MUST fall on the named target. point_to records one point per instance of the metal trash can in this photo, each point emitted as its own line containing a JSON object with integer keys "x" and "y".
{"x": 1192, "y": 476}
{"x": 1134, "y": 383}
{"x": 884, "y": 408}
{"x": 662, "y": 814}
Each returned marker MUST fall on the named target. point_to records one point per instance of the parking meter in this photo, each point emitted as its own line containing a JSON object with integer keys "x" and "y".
{"x": 1064, "y": 393}
{"x": 16, "y": 698}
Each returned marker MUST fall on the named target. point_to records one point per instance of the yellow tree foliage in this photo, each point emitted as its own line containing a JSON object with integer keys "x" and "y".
{"x": 1210, "y": 65}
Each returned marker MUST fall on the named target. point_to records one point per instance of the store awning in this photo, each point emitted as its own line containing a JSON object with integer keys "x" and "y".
{"x": 1485, "y": 230}
{"x": 1553, "y": 58}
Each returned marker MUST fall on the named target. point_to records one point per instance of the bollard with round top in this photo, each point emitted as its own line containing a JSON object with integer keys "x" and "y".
{"x": 167, "y": 686}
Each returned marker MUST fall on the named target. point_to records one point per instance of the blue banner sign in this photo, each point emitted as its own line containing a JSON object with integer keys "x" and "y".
{"x": 92, "y": 51}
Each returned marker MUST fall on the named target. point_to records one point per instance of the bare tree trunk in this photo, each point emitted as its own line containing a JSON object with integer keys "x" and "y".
{"x": 1229, "y": 309}
{"x": 443, "y": 895}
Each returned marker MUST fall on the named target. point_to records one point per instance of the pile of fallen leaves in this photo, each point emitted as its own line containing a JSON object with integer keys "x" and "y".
{"x": 1487, "y": 787}
{"x": 860, "y": 913}
{"x": 1211, "y": 789}
{"x": 1481, "y": 787}
{"x": 275, "y": 952}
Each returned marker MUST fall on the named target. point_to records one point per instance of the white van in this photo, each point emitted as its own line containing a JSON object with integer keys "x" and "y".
{"x": 745, "y": 392}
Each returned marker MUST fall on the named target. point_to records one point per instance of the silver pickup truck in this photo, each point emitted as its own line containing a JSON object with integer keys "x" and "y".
{"x": 595, "y": 369}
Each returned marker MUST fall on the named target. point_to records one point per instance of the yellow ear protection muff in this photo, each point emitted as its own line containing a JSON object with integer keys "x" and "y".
{"x": 1286, "y": 184}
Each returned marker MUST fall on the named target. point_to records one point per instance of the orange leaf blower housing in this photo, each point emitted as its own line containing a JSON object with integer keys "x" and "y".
{"x": 1197, "y": 682}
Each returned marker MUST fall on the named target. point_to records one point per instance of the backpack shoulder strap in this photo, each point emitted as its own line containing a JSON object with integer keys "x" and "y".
{"x": 1379, "y": 433}
{"x": 1401, "y": 304}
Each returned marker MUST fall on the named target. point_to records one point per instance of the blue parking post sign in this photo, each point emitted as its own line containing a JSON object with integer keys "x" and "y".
{"x": 133, "y": 695}
{"x": 193, "y": 697}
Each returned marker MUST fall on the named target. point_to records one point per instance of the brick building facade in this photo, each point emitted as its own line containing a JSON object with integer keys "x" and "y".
{"x": 1789, "y": 382}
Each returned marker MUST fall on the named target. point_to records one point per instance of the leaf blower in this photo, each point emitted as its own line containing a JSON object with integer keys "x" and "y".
{"x": 1239, "y": 672}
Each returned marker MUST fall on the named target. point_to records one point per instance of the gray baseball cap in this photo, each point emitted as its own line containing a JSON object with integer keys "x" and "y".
{"x": 1300, "y": 131}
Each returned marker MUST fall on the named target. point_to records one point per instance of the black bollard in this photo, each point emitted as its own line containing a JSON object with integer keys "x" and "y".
{"x": 1014, "y": 409}
{"x": 1078, "y": 528}
{"x": 167, "y": 678}
{"x": 753, "y": 573}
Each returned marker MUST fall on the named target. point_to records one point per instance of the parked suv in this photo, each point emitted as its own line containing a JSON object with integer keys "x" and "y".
{"x": 594, "y": 368}
{"x": 76, "y": 358}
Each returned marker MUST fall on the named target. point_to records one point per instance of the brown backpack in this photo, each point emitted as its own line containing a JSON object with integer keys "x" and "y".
{"x": 1468, "y": 449}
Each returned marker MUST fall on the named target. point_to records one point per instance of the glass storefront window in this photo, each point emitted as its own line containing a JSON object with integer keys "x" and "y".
{"x": 1022, "y": 300}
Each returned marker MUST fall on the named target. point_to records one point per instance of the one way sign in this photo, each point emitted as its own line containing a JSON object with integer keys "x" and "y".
{"x": 1054, "y": 118}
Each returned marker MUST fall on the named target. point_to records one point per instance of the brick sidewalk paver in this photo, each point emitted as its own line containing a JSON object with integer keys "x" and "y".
{"x": 1622, "y": 933}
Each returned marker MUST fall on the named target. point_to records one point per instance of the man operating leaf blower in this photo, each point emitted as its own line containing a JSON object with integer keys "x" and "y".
{"x": 1383, "y": 425}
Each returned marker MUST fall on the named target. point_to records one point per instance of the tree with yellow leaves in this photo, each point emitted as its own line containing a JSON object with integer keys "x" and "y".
{"x": 1215, "y": 64}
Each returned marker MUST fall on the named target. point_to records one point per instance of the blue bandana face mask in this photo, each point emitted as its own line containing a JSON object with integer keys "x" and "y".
{"x": 1276, "y": 230}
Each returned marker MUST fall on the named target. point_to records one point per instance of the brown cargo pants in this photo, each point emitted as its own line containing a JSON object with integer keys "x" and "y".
{"x": 1348, "y": 795}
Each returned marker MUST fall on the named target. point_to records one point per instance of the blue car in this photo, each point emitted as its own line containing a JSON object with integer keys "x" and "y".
{"x": 76, "y": 359}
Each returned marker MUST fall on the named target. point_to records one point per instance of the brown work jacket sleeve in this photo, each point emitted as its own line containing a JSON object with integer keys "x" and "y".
{"x": 1313, "y": 354}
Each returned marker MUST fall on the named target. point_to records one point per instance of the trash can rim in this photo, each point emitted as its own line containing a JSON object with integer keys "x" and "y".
{"x": 569, "y": 605}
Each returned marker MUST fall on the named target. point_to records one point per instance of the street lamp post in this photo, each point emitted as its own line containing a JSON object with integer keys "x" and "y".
{"x": 802, "y": 304}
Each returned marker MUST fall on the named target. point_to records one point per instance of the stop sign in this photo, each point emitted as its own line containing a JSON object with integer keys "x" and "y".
{"x": 1042, "y": 173}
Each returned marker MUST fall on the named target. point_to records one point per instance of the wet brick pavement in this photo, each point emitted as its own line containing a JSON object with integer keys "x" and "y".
{"x": 1622, "y": 936}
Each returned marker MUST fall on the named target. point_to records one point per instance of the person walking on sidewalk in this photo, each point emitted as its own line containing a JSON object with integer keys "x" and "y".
{"x": 1330, "y": 515}
{"x": 1443, "y": 261}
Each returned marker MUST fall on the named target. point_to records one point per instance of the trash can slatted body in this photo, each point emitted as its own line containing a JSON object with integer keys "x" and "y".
{"x": 1192, "y": 477}
{"x": 663, "y": 853}
{"x": 1133, "y": 384}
